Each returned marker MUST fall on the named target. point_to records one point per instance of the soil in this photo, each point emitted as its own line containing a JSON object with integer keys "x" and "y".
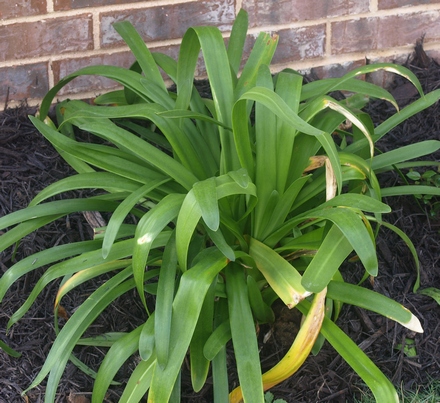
{"x": 28, "y": 163}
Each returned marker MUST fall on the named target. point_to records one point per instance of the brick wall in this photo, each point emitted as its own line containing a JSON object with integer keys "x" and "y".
{"x": 43, "y": 40}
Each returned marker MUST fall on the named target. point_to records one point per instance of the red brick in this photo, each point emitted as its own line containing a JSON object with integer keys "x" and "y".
{"x": 370, "y": 34}
{"x": 337, "y": 70}
{"x": 98, "y": 84}
{"x": 62, "y": 68}
{"x": 22, "y": 8}
{"x": 300, "y": 43}
{"x": 46, "y": 37}
{"x": 387, "y": 4}
{"x": 60, "y": 5}
{"x": 27, "y": 81}
{"x": 268, "y": 12}
{"x": 168, "y": 22}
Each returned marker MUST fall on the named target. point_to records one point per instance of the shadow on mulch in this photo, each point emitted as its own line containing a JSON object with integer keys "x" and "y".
{"x": 28, "y": 163}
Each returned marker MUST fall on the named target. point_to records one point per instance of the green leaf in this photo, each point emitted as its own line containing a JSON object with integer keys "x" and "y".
{"x": 284, "y": 205}
{"x": 325, "y": 86}
{"x": 85, "y": 369}
{"x": 147, "y": 339}
{"x": 411, "y": 247}
{"x": 55, "y": 208}
{"x": 373, "y": 301}
{"x": 353, "y": 226}
{"x": 89, "y": 180}
{"x": 414, "y": 175}
{"x": 389, "y": 67}
{"x": 357, "y": 201}
{"x": 261, "y": 311}
{"x": 125, "y": 77}
{"x": 119, "y": 352}
{"x": 331, "y": 254}
{"x": 243, "y": 335}
{"x": 381, "y": 387}
{"x": 190, "y": 213}
{"x": 139, "y": 381}
{"x": 185, "y": 172}
{"x": 217, "y": 340}
{"x": 432, "y": 292}
{"x": 140, "y": 51}
{"x": 340, "y": 108}
{"x": 86, "y": 260}
{"x": 9, "y": 350}
{"x": 210, "y": 41}
{"x": 122, "y": 211}
{"x": 278, "y": 106}
{"x": 149, "y": 227}
{"x": 386, "y": 160}
{"x": 189, "y": 216}
{"x": 164, "y": 301}
{"x": 183, "y": 113}
{"x": 21, "y": 230}
{"x": 237, "y": 40}
{"x": 43, "y": 258}
{"x": 113, "y": 97}
{"x": 280, "y": 274}
{"x": 202, "y": 331}
{"x": 103, "y": 340}
{"x": 345, "y": 82}
{"x": 112, "y": 159}
{"x": 205, "y": 194}
{"x": 219, "y": 362}
{"x": 80, "y": 276}
{"x": 288, "y": 86}
{"x": 408, "y": 348}
{"x": 219, "y": 240}
{"x": 194, "y": 285}
{"x": 75, "y": 327}
{"x": 265, "y": 156}
{"x": 261, "y": 55}
{"x": 411, "y": 190}
{"x": 385, "y": 127}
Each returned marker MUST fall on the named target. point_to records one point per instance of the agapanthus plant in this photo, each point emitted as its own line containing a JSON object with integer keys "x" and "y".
{"x": 240, "y": 200}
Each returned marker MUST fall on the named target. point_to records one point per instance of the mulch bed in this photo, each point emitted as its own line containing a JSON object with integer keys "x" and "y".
{"x": 28, "y": 163}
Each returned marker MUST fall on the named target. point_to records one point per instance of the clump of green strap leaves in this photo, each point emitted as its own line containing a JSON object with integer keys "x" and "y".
{"x": 240, "y": 200}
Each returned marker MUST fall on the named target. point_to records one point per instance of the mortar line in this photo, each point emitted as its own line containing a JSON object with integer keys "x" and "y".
{"x": 49, "y": 6}
{"x": 50, "y": 75}
{"x": 96, "y": 31}
{"x": 328, "y": 39}
{"x": 238, "y": 6}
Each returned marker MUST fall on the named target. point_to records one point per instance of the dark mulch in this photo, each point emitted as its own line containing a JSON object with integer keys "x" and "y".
{"x": 28, "y": 163}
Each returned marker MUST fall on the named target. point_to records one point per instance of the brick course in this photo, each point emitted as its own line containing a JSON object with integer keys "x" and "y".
{"x": 61, "y": 5}
{"x": 370, "y": 34}
{"x": 46, "y": 37}
{"x": 21, "y": 8}
{"x": 20, "y": 82}
{"x": 265, "y": 12}
{"x": 41, "y": 41}
{"x": 387, "y": 4}
{"x": 296, "y": 44}
{"x": 169, "y": 22}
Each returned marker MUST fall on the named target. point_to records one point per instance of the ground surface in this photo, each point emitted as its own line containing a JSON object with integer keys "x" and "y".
{"x": 28, "y": 164}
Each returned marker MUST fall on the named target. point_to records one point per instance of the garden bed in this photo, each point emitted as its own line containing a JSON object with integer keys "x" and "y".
{"x": 28, "y": 163}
